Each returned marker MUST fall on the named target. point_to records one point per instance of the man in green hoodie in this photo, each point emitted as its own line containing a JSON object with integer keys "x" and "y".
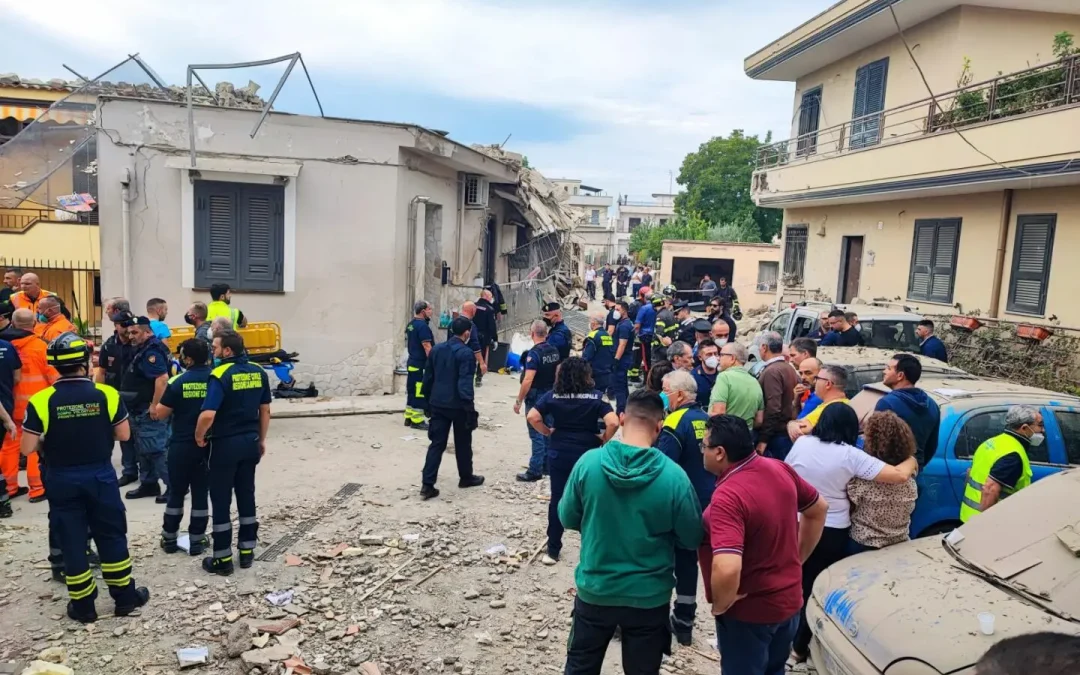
{"x": 633, "y": 507}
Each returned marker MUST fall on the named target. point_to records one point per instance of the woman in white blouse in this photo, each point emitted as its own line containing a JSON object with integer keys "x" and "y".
{"x": 828, "y": 460}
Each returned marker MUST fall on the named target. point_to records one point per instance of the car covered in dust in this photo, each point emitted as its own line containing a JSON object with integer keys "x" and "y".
{"x": 913, "y": 608}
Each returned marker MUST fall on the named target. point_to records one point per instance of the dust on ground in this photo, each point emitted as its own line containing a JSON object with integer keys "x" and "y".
{"x": 382, "y": 582}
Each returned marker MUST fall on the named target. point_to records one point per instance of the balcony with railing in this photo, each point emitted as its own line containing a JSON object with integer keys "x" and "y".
{"x": 1027, "y": 117}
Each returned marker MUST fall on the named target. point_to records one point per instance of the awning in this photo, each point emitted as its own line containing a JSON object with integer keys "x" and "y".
{"x": 24, "y": 113}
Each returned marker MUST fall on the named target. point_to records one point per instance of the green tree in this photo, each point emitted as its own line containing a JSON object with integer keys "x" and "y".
{"x": 745, "y": 230}
{"x": 648, "y": 238}
{"x": 717, "y": 179}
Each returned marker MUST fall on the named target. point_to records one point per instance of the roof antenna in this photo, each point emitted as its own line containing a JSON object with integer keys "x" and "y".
{"x": 503, "y": 144}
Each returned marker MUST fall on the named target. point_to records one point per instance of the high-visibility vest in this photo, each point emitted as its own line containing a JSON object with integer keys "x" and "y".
{"x": 989, "y": 452}
{"x": 221, "y": 308}
{"x": 36, "y": 373}
{"x": 54, "y": 329}
{"x": 21, "y": 300}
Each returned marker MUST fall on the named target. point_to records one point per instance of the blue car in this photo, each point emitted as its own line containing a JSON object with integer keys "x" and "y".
{"x": 973, "y": 410}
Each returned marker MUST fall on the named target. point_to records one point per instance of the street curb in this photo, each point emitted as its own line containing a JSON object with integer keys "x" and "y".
{"x": 342, "y": 412}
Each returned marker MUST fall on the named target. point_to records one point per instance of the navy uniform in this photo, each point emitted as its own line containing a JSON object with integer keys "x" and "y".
{"x": 561, "y": 338}
{"x": 705, "y": 382}
{"x": 76, "y": 423}
{"x": 113, "y": 359}
{"x": 448, "y": 388}
{"x": 236, "y": 392}
{"x": 620, "y": 388}
{"x": 187, "y": 461}
{"x": 149, "y": 362}
{"x": 681, "y": 441}
{"x": 646, "y": 325}
{"x": 599, "y": 351}
{"x": 543, "y": 358}
{"x": 416, "y": 334}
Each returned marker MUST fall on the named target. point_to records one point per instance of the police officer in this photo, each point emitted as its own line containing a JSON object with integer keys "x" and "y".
{"x": 702, "y": 331}
{"x": 183, "y": 399}
{"x": 686, "y": 323}
{"x": 418, "y": 338}
{"x": 624, "y": 357}
{"x": 233, "y": 423}
{"x": 113, "y": 358}
{"x": 448, "y": 388}
{"x": 73, "y": 425}
{"x": 141, "y": 386}
{"x": 599, "y": 353}
{"x": 610, "y": 305}
{"x": 487, "y": 328}
{"x": 559, "y": 336}
{"x": 537, "y": 378}
{"x": 681, "y": 441}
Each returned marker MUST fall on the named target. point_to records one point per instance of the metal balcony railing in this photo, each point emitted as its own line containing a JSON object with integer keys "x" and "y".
{"x": 20, "y": 222}
{"x": 1041, "y": 88}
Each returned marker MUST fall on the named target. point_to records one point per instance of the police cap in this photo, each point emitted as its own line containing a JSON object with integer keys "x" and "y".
{"x": 682, "y": 304}
{"x": 141, "y": 321}
{"x": 460, "y": 326}
{"x": 68, "y": 349}
{"x": 552, "y": 307}
{"x": 702, "y": 326}
{"x": 123, "y": 318}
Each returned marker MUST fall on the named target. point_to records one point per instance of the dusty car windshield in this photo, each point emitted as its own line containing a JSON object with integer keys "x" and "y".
{"x": 890, "y": 334}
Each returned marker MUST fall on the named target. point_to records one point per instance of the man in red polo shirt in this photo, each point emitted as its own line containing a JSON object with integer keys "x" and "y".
{"x": 755, "y": 550}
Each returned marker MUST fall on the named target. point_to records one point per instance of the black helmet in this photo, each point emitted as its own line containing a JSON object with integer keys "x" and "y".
{"x": 68, "y": 349}
{"x": 669, "y": 290}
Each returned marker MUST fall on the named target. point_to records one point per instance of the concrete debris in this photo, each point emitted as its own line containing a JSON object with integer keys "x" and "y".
{"x": 192, "y": 656}
{"x": 544, "y": 206}
{"x": 53, "y": 655}
{"x": 238, "y": 641}
{"x": 262, "y": 658}
{"x": 47, "y": 668}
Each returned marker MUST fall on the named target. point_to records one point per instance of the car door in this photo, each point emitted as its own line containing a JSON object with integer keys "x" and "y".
{"x": 1063, "y": 434}
{"x": 781, "y": 324}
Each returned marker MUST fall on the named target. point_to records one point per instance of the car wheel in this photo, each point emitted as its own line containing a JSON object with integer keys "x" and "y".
{"x": 940, "y": 528}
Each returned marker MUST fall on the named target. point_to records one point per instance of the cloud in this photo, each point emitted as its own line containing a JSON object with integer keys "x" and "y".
{"x": 648, "y": 82}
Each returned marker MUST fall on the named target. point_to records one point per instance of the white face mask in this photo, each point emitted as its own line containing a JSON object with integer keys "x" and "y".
{"x": 712, "y": 362}
{"x": 1036, "y": 439}
{"x": 617, "y": 314}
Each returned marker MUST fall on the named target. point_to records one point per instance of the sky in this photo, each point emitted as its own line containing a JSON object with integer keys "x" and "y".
{"x": 613, "y": 92}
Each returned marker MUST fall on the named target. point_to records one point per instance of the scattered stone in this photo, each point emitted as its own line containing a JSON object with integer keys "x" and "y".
{"x": 536, "y": 617}
{"x": 231, "y": 617}
{"x": 192, "y": 656}
{"x": 47, "y": 668}
{"x": 107, "y": 658}
{"x": 238, "y": 640}
{"x": 262, "y": 658}
{"x": 293, "y": 560}
{"x": 278, "y": 627}
{"x": 484, "y": 639}
{"x": 472, "y": 594}
{"x": 119, "y": 631}
{"x": 497, "y": 604}
{"x": 352, "y": 552}
{"x": 260, "y": 641}
{"x": 447, "y": 622}
{"x": 216, "y": 607}
{"x": 53, "y": 655}
{"x": 297, "y": 610}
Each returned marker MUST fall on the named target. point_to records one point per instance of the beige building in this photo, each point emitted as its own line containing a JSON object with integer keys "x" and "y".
{"x": 330, "y": 227}
{"x": 967, "y": 200}
{"x": 635, "y": 213}
{"x": 751, "y": 269}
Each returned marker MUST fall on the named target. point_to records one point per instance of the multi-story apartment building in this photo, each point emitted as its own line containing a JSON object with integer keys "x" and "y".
{"x": 934, "y": 156}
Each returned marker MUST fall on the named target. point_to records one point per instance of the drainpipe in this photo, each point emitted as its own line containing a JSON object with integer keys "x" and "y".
{"x": 411, "y": 238}
{"x": 999, "y": 258}
{"x": 125, "y": 230}
{"x": 460, "y": 226}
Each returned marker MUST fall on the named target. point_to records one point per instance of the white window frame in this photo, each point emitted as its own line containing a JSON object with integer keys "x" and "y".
{"x": 482, "y": 190}
{"x": 235, "y": 171}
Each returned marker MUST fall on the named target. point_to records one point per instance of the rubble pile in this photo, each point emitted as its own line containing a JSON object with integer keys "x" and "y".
{"x": 228, "y": 95}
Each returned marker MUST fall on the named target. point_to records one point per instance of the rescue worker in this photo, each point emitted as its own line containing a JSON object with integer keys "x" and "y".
{"x": 680, "y": 440}
{"x": 729, "y": 300}
{"x": 606, "y": 277}
{"x": 645, "y": 326}
{"x": 35, "y": 374}
{"x": 537, "y": 378}
{"x": 559, "y": 336}
{"x": 10, "y": 287}
{"x": 233, "y": 424}
{"x": 221, "y": 305}
{"x": 10, "y": 372}
{"x": 622, "y": 278}
{"x": 468, "y": 310}
{"x": 448, "y": 388}
{"x": 418, "y": 341}
{"x": 183, "y": 401}
{"x": 142, "y": 385}
{"x": 599, "y": 352}
{"x": 666, "y": 327}
{"x": 113, "y": 359}
{"x": 486, "y": 327}
{"x": 31, "y": 294}
{"x": 702, "y": 331}
{"x": 1001, "y": 466}
{"x": 51, "y": 322}
{"x": 624, "y": 357}
{"x": 610, "y": 305}
{"x": 72, "y": 425}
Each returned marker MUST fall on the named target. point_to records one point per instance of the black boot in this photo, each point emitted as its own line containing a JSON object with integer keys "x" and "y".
{"x": 5, "y": 509}
{"x": 216, "y": 566}
{"x": 198, "y": 546}
{"x": 683, "y": 630}
{"x": 247, "y": 559}
{"x": 474, "y": 480}
{"x": 81, "y": 617}
{"x": 169, "y": 545}
{"x": 528, "y": 477}
{"x": 127, "y": 480}
{"x": 429, "y": 492}
{"x": 419, "y": 426}
{"x": 144, "y": 490}
{"x": 142, "y": 596}
{"x": 58, "y": 574}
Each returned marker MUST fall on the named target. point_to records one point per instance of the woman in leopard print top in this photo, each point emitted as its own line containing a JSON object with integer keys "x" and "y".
{"x": 881, "y": 513}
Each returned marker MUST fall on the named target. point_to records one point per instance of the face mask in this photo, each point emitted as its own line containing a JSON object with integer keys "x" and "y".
{"x": 188, "y": 320}
{"x": 217, "y": 361}
{"x": 1036, "y": 439}
{"x": 617, "y": 315}
{"x": 548, "y": 321}
{"x": 667, "y": 403}
{"x": 712, "y": 362}
{"x": 42, "y": 318}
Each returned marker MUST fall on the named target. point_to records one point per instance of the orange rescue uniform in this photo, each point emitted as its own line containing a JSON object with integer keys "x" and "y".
{"x": 37, "y": 374}
{"x": 56, "y": 326}
{"x": 21, "y": 300}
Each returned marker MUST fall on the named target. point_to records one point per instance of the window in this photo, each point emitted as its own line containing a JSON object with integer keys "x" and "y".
{"x": 780, "y": 324}
{"x": 870, "y": 83}
{"x": 933, "y": 260}
{"x": 985, "y": 425}
{"x": 809, "y": 116}
{"x": 794, "y": 254}
{"x": 663, "y": 221}
{"x": 239, "y": 232}
{"x": 476, "y": 190}
{"x": 1030, "y": 275}
{"x": 634, "y": 223}
{"x": 595, "y": 217}
{"x": 768, "y": 271}
{"x": 804, "y": 325}
{"x": 1069, "y": 423}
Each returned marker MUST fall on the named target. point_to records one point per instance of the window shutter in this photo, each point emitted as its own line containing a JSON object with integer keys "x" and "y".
{"x": 870, "y": 82}
{"x": 945, "y": 246}
{"x": 216, "y": 206}
{"x": 1030, "y": 275}
{"x": 262, "y": 221}
{"x": 809, "y": 116}
{"x": 922, "y": 258}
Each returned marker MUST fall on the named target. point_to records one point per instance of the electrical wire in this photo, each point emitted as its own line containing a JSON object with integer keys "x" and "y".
{"x": 952, "y": 125}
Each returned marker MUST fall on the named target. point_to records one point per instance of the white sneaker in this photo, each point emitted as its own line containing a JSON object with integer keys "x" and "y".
{"x": 548, "y": 560}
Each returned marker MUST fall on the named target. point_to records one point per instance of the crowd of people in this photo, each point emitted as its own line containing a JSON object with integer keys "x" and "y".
{"x": 196, "y": 423}
{"x": 748, "y": 451}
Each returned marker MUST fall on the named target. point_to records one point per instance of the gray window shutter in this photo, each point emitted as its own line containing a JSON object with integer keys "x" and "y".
{"x": 922, "y": 258}
{"x": 870, "y": 83}
{"x": 944, "y": 272}
{"x": 934, "y": 251}
{"x": 262, "y": 218}
{"x": 216, "y": 214}
{"x": 809, "y": 117}
{"x": 1030, "y": 277}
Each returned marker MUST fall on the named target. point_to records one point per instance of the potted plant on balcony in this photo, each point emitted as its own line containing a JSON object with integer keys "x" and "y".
{"x": 965, "y": 322}
{"x": 1029, "y": 331}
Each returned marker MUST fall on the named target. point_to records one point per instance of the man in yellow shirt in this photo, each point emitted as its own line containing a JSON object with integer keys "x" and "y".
{"x": 829, "y": 385}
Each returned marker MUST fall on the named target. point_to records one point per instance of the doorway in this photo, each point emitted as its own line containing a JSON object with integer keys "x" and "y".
{"x": 850, "y": 269}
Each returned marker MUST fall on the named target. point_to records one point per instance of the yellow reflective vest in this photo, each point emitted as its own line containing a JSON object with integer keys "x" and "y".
{"x": 220, "y": 308}
{"x": 987, "y": 454}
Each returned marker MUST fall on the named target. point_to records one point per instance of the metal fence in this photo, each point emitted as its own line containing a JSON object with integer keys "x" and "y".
{"x": 77, "y": 283}
{"x": 524, "y": 300}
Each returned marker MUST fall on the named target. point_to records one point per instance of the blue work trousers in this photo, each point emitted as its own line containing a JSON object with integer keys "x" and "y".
{"x": 619, "y": 388}
{"x": 232, "y": 465}
{"x": 187, "y": 469}
{"x": 538, "y": 457}
{"x": 151, "y": 439}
